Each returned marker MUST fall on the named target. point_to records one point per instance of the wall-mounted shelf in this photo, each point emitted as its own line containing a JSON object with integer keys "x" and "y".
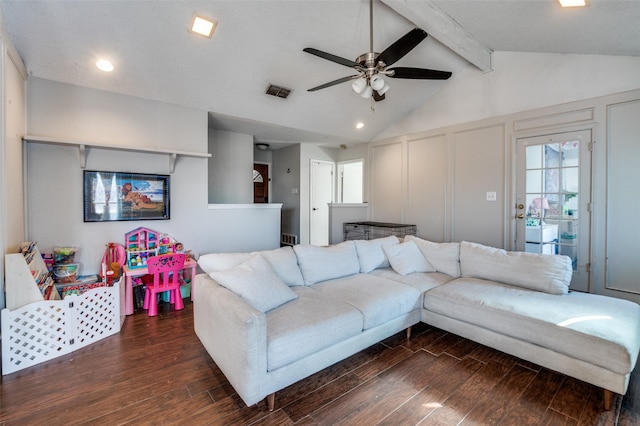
{"x": 84, "y": 147}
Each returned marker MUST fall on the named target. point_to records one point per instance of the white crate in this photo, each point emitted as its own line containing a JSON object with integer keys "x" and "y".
{"x": 45, "y": 330}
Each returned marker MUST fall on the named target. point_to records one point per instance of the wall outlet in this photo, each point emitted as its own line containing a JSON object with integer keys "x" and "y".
{"x": 294, "y": 190}
{"x": 492, "y": 196}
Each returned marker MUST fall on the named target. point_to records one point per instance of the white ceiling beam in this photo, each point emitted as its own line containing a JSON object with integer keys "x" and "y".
{"x": 426, "y": 15}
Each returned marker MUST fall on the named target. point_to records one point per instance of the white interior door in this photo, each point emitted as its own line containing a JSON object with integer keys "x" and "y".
{"x": 553, "y": 196}
{"x": 321, "y": 194}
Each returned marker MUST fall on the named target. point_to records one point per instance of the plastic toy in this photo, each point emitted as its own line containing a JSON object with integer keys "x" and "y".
{"x": 140, "y": 244}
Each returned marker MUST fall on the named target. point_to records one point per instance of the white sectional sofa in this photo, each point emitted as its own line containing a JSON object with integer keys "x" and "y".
{"x": 269, "y": 319}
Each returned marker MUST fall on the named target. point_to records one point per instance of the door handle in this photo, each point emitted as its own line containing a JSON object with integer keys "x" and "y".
{"x": 314, "y": 209}
{"x": 520, "y": 216}
{"x": 520, "y": 206}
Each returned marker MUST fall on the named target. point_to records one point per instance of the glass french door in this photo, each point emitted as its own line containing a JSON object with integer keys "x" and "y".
{"x": 553, "y": 196}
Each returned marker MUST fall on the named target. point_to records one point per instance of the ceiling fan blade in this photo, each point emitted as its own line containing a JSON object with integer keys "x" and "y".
{"x": 419, "y": 73}
{"x": 333, "y": 83}
{"x": 402, "y": 46}
{"x": 332, "y": 58}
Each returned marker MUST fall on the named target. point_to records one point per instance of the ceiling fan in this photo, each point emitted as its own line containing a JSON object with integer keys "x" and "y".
{"x": 372, "y": 66}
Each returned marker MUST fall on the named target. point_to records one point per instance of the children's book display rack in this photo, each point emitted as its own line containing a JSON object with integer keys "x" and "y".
{"x": 36, "y": 330}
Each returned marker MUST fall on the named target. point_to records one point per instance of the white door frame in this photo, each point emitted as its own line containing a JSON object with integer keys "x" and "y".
{"x": 269, "y": 168}
{"x": 312, "y": 182}
{"x": 582, "y": 275}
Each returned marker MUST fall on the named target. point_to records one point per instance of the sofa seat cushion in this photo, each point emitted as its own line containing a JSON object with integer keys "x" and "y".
{"x": 311, "y": 322}
{"x": 423, "y": 281}
{"x": 600, "y": 330}
{"x": 379, "y": 299}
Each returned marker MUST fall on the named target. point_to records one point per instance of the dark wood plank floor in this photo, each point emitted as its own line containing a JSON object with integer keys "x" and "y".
{"x": 156, "y": 372}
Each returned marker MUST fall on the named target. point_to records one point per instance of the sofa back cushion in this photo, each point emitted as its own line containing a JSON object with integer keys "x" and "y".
{"x": 220, "y": 261}
{"x": 326, "y": 263}
{"x": 406, "y": 258}
{"x": 285, "y": 264}
{"x": 548, "y": 273}
{"x": 370, "y": 253}
{"x": 445, "y": 257}
{"x": 282, "y": 260}
{"x": 256, "y": 283}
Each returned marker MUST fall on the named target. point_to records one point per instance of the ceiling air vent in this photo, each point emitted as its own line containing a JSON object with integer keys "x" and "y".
{"x": 277, "y": 91}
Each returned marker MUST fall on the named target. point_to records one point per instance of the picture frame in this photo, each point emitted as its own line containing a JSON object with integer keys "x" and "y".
{"x": 118, "y": 196}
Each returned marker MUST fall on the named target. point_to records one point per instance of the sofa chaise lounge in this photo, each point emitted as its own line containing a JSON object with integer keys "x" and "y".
{"x": 269, "y": 319}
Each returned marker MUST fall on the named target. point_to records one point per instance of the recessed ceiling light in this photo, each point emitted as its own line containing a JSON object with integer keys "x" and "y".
{"x": 572, "y": 3}
{"x": 359, "y": 125}
{"x": 104, "y": 65}
{"x": 203, "y": 26}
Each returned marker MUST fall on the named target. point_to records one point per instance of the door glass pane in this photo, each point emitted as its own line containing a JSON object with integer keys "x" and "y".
{"x": 534, "y": 181}
{"x": 552, "y": 189}
{"x": 570, "y": 153}
{"x": 534, "y": 157}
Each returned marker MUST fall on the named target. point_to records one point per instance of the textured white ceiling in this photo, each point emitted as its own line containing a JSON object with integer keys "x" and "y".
{"x": 261, "y": 42}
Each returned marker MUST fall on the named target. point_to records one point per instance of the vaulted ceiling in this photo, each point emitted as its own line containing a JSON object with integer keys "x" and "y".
{"x": 258, "y": 43}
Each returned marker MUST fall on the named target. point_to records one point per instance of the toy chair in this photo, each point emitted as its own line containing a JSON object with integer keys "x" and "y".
{"x": 165, "y": 270}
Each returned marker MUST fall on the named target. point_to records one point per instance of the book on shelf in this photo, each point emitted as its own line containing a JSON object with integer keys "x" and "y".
{"x": 27, "y": 250}
{"x": 80, "y": 285}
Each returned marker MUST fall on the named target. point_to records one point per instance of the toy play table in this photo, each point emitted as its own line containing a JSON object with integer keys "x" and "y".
{"x": 130, "y": 273}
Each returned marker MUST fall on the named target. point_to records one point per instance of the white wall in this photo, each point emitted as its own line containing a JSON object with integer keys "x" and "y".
{"x": 12, "y": 125}
{"x": 341, "y": 213}
{"x": 520, "y": 82}
{"x": 285, "y": 179}
{"x": 230, "y": 167}
{"x": 55, "y": 177}
{"x": 466, "y": 134}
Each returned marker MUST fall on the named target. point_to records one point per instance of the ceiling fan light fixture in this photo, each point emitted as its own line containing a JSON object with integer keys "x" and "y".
{"x": 383, "y": 90}
{"x": 359, "y": 85}
{"x": 377, "y": 82}
{"x": 367, "y": 92}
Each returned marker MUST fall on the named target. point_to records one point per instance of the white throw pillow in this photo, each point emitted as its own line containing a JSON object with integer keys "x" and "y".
{"x": 256, "y": 283}
{"x": 548, "y": 273}
{"x": 445, "y": 257}
{"x": 284, "y": 263}
{"x": 326, "y": 263}
{"x": 405, "y": 258}
{"x": 220, "y": 261}
{"x": 370, "y": 253}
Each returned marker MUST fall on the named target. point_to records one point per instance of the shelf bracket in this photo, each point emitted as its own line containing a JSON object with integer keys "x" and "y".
{"x": 172, "y": 161}
{"x": 83, "y": 155}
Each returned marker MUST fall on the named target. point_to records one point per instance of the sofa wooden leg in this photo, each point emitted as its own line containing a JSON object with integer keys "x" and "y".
{"x": 271, "y": 401}
{"x": 408, "y": 333}
{"x": 608, "y": 399}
